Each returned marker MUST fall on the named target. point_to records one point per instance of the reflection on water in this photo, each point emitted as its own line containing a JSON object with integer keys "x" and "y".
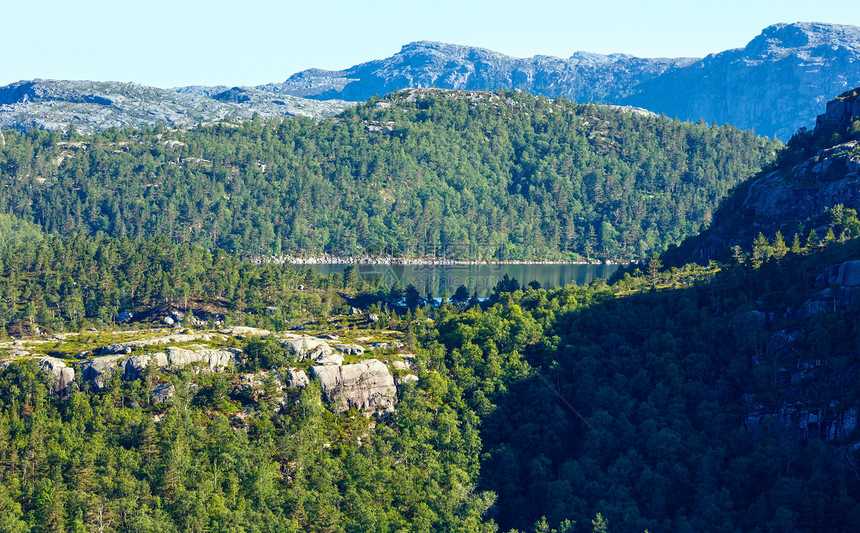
{"x": 435, "y": 279}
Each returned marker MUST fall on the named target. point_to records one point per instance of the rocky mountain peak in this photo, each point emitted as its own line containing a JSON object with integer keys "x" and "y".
{"x": 841, "y": 111}
{"x": 811, "y": 39}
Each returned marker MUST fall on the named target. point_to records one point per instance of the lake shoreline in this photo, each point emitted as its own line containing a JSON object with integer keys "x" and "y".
{"x": 369, "y": 260}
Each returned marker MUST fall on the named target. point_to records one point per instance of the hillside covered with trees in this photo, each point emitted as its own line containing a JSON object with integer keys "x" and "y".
{"x": 710, "y": 397}
{"x": 465, "y": 174}
{"x": 703, "y": 398}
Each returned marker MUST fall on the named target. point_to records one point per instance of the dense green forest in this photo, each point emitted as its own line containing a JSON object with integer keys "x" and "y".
{"x": 77, "y": 282}
{"x": 694, "y": 399}
{"x": 467, "y": 175}
{"x": 715, "y": 397}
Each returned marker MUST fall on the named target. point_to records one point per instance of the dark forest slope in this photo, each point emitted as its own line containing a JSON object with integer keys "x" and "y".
{"x": 420, "y": 173}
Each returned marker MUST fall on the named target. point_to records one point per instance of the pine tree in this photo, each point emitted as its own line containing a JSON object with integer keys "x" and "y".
{"x": 812, "y": 239}
{"x": 761, "y": 248}
{"x": 779, "y": 246}
{"x": 795, "y": 244}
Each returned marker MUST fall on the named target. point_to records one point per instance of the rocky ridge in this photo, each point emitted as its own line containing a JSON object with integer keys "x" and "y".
{"x": 773, "y": 85}
{"x": 793, "y": 194}
{"x": 368, "y": 386}
{"x": 92, "y": 106}
{"x": 584, "y": 77}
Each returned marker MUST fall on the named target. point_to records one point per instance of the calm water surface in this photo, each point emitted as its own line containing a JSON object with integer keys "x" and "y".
{"x": 481, "y": 278}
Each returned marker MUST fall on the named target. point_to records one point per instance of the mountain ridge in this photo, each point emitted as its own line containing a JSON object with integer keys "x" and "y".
{"x": 812, "y": 186}
{"x": 773, "y": 85}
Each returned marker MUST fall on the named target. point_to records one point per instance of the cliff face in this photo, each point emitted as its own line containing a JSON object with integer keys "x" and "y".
{"x": 782, "y": 199}
{"x": 584, "y": 77}
{"x": 773, "y": 85}
{"x": 828, "y": 176}
{"x": 818, "y": 170}
{"x": 841, "y": 112}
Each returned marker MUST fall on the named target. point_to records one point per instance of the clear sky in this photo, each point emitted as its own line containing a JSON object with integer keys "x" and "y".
{"x": 169, "y": 43}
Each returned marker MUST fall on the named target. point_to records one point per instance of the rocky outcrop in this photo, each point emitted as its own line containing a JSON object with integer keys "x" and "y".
{"x": 846, "y": 274}
{"x": 308, "y": 348}
{"x": 367, "y": 386}
{"x": 407, "y": 378}
{"x": 329, "y": 359}
{"x": 387, "y": 345}
{"x": 841, "y": 111}
{"x": 350, "y": 349}
{"x": 129, "y": 346}
{"x": 835, "y": 288}
{"x": 62, "y": 375}
{"x": 99, "y": 370}
{"x": 135, "y": 366}
{"x": 825, "y": 174}
{"x": 93, "y": 106}
{"x": 782, "y": 199}
{"x": 296, "y": 378}
{"x": 163, "y": 393}
{"x": 214, "y": 360}
{"x": 254, "y": 385}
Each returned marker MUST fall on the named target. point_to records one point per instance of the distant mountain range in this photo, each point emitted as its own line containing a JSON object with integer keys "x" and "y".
{"x": 93, "y": 106}
{"x": 776, "y": 84}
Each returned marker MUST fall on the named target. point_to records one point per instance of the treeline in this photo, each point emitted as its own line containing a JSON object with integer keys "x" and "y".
{"x": 57, "y": 283}
{"x": 470, "y": 175}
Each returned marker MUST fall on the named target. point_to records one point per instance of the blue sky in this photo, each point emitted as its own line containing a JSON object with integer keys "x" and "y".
{"x": 169, "y": 43}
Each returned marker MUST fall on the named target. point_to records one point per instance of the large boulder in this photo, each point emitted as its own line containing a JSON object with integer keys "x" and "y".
{"x": 62, "y": 375}
{"x": 99, "y": 370}
{"x": 215, "y": 360}
{"x": 329, "y": 359}
{"x": 308, "y": 348}
{"x": 133, "y": 367}
{"x": 296, "y": 378}
{"x": 350, "y": 349}
{"x": 367, "y": 386}
{"x": 163, "y": 393}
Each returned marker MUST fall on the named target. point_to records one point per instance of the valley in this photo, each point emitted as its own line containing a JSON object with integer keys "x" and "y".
{"x": 173, "y": 357}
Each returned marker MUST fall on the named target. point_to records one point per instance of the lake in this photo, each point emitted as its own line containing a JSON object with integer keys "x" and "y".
{"x": 481, "y": 278}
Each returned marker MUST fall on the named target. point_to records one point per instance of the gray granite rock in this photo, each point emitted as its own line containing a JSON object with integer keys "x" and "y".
{"x": 350, "y": 349}
{"x": 329, "y": 359}
{"x": 163, "y": 393}
{"x": 367, "y": 386}
{"x": 307, "y": 348}
{"x": 99, "y": 370}
{"x": 62, "y": 375}
{"x": 215, "y": 360}
{"x": 134, "y": 367}
{"x": 296, "y": 378}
